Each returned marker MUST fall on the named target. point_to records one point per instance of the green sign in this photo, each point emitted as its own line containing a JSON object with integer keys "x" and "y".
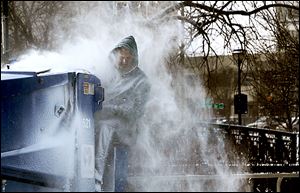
{"x": 218, "y": 106}
{"x": 209, "y": 104}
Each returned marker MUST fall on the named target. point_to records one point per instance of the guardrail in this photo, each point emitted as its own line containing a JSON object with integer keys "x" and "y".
{"x": 263, "y": 150}
{"x": 253, "y": 149}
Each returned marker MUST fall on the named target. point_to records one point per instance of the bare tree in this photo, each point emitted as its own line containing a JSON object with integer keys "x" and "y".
{"x": 32, "y": 21}
{"x": 275, "y": 73}
{"x": 206, "y": 20}
{"x": 31, "y": 24}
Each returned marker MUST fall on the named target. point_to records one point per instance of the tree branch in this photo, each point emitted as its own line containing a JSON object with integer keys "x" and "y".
{"x": 176, "y": 7}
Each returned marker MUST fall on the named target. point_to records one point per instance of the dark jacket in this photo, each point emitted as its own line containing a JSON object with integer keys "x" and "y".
{"x": 125, "y": 100}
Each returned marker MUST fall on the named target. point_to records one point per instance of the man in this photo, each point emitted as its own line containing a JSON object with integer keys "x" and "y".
{"x": 124, "y": 104}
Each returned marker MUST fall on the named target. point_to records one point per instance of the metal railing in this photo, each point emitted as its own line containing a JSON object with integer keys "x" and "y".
{"x": 263, "y": 150}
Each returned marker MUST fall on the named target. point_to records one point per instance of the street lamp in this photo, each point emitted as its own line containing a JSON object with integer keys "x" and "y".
{"x": 240, "y": 100}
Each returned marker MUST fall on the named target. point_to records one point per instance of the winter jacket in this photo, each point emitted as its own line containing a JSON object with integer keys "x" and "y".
{"x": 125, "y": 100}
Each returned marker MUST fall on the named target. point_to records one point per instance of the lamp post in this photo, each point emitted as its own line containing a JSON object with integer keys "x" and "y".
{"x": 239, "y": 56}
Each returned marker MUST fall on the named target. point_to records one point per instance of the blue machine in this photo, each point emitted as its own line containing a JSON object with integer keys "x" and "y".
{"x": 47, "y": 130}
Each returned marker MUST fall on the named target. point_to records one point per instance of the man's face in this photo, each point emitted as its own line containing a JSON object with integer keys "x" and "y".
{"x": 124, "y": 60}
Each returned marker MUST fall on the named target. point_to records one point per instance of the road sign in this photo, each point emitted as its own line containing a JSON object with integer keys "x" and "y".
{"x": 209, "y": 104}
{"x": 219, "y": 106}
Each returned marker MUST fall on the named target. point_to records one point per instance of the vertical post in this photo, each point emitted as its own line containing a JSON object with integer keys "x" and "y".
{"x": 4, "y": 29}
{"x": 239, "y": 89}
{"x": 239, "y": 55}
{"x": 278, "y": 184}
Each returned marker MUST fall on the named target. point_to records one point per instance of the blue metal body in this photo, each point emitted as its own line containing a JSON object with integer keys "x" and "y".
{"x": 47, "y": 130}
